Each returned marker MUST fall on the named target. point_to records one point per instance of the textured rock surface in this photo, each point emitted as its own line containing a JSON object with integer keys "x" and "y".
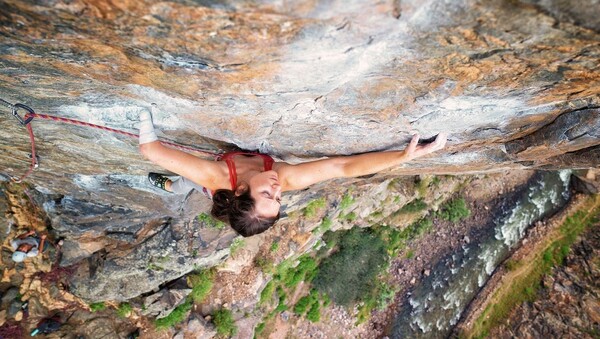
{"x": 516, "y": 84}
{"x": 196, "y": 328}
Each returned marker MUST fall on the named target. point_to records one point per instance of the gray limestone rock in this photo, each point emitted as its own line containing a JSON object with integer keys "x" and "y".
{"x": 161, "y": 304}
{"x": 8, "y": 297}
{"x": 197, "y": 328}
{"x": 13, "y": 308}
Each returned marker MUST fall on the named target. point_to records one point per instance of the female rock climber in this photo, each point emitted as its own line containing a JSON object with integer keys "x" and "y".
{"x": 246, "y": 188}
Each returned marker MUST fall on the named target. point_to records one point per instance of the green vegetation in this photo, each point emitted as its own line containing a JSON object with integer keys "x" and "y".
{"x": 392, "y": 185}
{"x": 380, "y": 297}
{"x": 414, "y": 206}
{"x": 324, "y": 226}
{"x": 305, "y": 271}
{"x": 156, "y": 264}
{"x": 265, "y": 264}
{"x": 224, "y": 323}
{"x": 385, "y": 296}
{"x": 96, "y": 307}
{"x": 176, "y": 316}
{"x": 282, "y": 270}
{"x": 349, "y": 217}
{"x": 211, "y": 222}
{"x": 421, "y": 186}
{"x": 348, "y": 270}
{"x": 274, "y": 246}
{"x": 236, "y": 245}
{"x": 419, "y": 228}
{"x": 547, "y": 257}
{"x": 346, "y": 201}
{"x": 154, "y": 267}
{"x": 512, "y": 265}
{"x": 124, "y": 310}
{"x": 163, "y": 259}
{"x": 356, "y": 264}
{"x": 326, "y": 300}
{"x": 313, "y": 207}
{"x": 454, "y": 210}
{"x": 259, "y": 328}
{"x": 285, "y": 281}
{"x": 281, "y": 306}
{"x": 302, "y": 305}
{"x": 376, "y": 215}
{"x": 267, "y": 293}
{"x": 396, "y": 240}
{"x": 364, "y": 311}
{"x": 425, "y": 182}
{"x": 314, "y": 314}
{"x": 201, "y": 284}
{"x": 311, "y": 302}
{"x": 410, "y": 254}
{"x": 524, "y": 286}
{"x": 349, "y": 273}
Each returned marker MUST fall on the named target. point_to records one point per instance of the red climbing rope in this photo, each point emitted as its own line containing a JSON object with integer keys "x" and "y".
{"x": 30, "y": 115}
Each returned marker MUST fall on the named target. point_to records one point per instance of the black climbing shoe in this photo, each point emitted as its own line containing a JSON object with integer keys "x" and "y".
{"x": 158, "y": 180}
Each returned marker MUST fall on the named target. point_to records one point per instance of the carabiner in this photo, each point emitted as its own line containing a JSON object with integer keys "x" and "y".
{"x": 15, "y": 109}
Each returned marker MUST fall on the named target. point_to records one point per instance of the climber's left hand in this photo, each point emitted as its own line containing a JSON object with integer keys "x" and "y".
{"x": 414, "y": 150}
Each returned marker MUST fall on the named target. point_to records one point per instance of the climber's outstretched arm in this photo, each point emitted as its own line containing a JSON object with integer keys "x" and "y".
{"x": 200, "y": 171}
{"x": 299, "y": 176}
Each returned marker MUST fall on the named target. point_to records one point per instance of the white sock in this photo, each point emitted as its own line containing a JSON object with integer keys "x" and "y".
{"x": 147, "y": 133}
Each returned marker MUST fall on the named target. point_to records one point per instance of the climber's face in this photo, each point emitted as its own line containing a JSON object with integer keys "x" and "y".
{"x": 266, "y": 191}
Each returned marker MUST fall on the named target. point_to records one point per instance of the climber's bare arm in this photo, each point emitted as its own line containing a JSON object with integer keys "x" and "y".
{"x": 25, "y": 235}
{"x": 202, "y": 172}
{"x": 299, "y": 176}
{"x": 42, "y": 244}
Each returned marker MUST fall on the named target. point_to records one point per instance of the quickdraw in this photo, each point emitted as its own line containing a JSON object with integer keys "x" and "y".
{"x": 31, "y": 114}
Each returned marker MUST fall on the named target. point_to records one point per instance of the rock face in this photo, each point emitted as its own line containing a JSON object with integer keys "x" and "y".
{"x": 516, "y": 84}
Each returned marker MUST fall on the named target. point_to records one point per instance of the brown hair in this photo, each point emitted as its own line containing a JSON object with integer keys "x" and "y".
{"x": 239, "y": 212}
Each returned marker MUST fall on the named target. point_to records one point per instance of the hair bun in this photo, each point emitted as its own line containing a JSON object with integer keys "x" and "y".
{"x": 223, "y": 201}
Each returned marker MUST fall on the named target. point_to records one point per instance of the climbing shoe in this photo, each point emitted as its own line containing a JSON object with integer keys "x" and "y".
{"x": 158, "y": 180}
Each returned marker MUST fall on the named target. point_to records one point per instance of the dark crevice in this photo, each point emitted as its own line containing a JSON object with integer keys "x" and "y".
{"x": 487, "y": 54}
{"x": 586, "y": 107}
{"x": 519, "y": 145}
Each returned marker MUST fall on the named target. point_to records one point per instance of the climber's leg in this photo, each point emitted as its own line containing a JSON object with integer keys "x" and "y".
{"x": 184, "y": 185}
{"x": 179, "y": 186}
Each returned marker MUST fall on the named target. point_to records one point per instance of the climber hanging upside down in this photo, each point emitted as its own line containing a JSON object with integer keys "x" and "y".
{"x": 246, "y": 188}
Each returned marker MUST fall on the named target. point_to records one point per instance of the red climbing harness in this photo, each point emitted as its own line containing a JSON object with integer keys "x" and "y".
{"x": 228, "y": 157}
{"x": 28, "y": 117}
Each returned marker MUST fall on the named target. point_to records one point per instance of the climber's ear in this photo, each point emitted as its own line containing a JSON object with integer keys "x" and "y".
{"x": 241, "y": 189}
